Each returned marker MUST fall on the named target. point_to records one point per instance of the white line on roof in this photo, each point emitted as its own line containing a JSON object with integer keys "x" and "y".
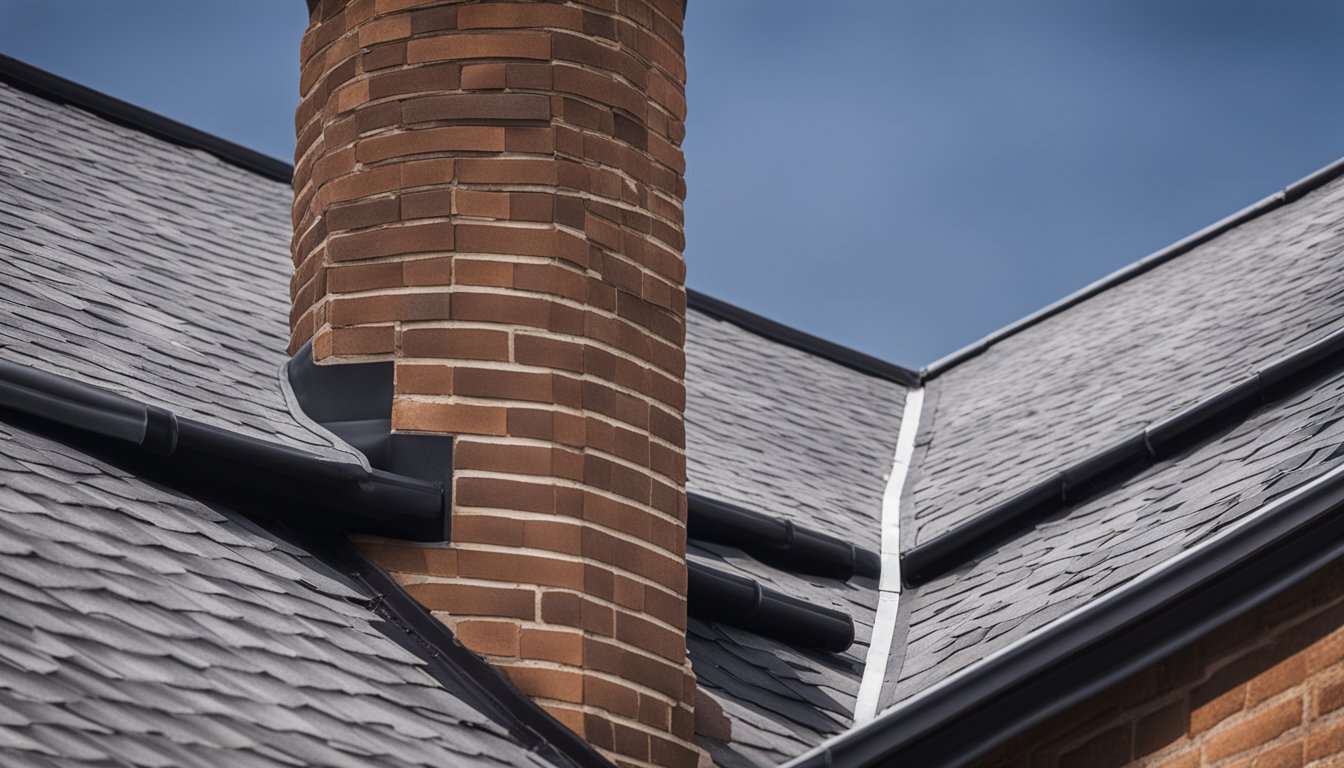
{"x": 889, "y": 586}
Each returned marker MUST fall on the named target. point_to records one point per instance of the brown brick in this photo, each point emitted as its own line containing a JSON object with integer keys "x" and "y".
{"x": 548, "y": 683}
{"x": 432, "y": 78}
{"x": 363, "y": 213}
{"x": 364, "y": 277}
{"x": 427, "y": 379}
{"x": 483, "y": 77}
{"x": 507, "y": 567}
{"x": 561, "y": 608}
{"x": 484, "y": 272}
{"x": 493, "y": 638}
{"x": 1325, "y": 741}
{"x": 548, "y": 352}
{"x": 507, "y": 171}
{"x": 471, "y": 600}
{"x": 390, "y": 241}
{"x": 453, "y": 138}
{"x": 1253, "y": 730}
{"x": 497, "y": 493}
{"x": 420, "y": 416}
{"x": 1282, "y": 756}
{"x": 1110, "y": 748}
{"x": 519, "y": 16}
{"x": 507, "y": 45}
{"x": 427, "y": 271}
{"x": 497, "y": 308}
{"x": 364, "y": 340}
{"x": 455, "y": 343}
{"x": 384, "y": 308}
{"x": 475, "y": 107}
{"x": 553, "y": 645}
{"x": 429, "y": 204}
{"x": 493, "y": 205}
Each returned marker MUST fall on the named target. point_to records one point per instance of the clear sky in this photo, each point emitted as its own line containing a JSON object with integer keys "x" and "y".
{"x": 902, "y": 176}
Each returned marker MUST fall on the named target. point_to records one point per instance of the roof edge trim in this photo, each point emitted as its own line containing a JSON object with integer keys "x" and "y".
{"x": 1288, "y": 194}
{"x": 55, "y": 88}
{"x": 1108, "y": 467}
{"x": 1106, "y": 640}
{"x": 805, "y": 342}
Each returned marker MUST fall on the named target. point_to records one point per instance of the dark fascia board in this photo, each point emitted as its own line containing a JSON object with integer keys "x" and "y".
{"x": 805, "y": 342}
{"x": 740, "y": 602}
{"x": 1124, "y": 460}
{"x": 776, "y": 540}
{"x": 352, "y": 496}
{"x": 453, "y": 663}
{"x": 1106, "y": 641}
{"x": 57, "y": 89}
{"x": 1287, "y": 195}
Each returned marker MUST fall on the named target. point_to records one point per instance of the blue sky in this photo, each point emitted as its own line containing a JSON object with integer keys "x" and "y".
{"x": 902, "y": 176}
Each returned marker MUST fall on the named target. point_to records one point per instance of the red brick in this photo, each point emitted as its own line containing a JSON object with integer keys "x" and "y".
{"x": 476, "y": 45}
{"x": 421, "y": 416}
{"x": 1253, "y": 730}
{"x": 455, "y": 343}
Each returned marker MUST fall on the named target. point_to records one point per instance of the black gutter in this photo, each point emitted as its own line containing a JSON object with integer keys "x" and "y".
{"x": 351, "y": 497}
{"x": 1288, "y": 194}
{"x": 451, "y": 662}
{"x": 61, "y": 91}
{"x": 713, "y": 595}
{"x": 805, "y": 342}
{"x": 1122, "y": 461}
{"x": 777, "y": 541}
{"x": 1104, "y": 643}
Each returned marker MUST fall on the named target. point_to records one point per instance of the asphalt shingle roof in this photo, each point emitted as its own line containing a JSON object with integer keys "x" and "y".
{"x": 142, "y": 267}
{"x": 1099, "y": 372}
{"x": 144, "y": 628}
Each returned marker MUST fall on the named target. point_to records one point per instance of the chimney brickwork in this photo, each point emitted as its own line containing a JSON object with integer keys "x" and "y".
{"x": 490, "y": 194}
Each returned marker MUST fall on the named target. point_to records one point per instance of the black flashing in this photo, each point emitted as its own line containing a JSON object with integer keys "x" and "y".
{"x": 350, "y": 496}
{"x": 57, "y": 89}
{"x": 805, "y": 342}
{"x": 354, "y": 402}
{"x": 1160, "y": 440}
{"x": 777, "y": 541}
{"x": 1288, "y": 194}
{"x": 1105, "y": 642}
{"x": 737, "y": 601}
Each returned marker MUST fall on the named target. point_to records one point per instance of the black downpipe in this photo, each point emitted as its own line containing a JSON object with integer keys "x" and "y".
{"x": 777, "y": 541}
{"x": 740, "y": 602}
{"x": 1161, "y": 440}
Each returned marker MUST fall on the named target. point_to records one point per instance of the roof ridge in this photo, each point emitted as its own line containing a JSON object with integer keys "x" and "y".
{"x": 60, "y": 90}
{"x": 803, "y": 341}
{"x": 1288, "y": 194}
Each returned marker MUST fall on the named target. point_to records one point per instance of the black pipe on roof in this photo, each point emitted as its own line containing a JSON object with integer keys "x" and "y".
{"x": 351, "y": 497}
{"x": 777, "y": 541}
{"x": 713, "y": 595}
{"x": 1160, "y": 440}
{"x": 1106, "y": 641}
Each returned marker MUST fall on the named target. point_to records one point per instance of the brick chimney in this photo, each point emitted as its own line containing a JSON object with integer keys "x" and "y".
{"x": 490, "y": 195}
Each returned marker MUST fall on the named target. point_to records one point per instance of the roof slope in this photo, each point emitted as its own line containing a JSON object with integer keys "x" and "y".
{"x": 1083, "y": 379}
{"x": 160, "y": 272}
{"x": 787, "y": 433}
{"x": 1107, "y": 541}
{"x": 146, "y": 268}
{"x": 146, "y": 629}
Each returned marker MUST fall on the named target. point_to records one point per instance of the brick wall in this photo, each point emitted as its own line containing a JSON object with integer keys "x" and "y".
{"x": 1264, "y": 691}
{"x": 490, "y": 194}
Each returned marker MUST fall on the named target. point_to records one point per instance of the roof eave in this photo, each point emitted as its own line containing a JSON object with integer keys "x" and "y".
{"x": 1104, "y": 642}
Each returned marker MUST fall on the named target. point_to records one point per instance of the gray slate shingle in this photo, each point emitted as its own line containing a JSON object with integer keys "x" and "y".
{"x": 1099, "y": 372}
{"x": 144, "y": 628}
{"x": 145, "y": 268}
{"x": 1102, "y": 544}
